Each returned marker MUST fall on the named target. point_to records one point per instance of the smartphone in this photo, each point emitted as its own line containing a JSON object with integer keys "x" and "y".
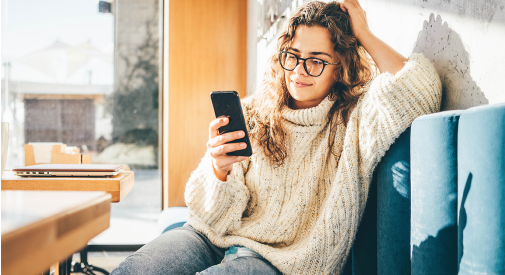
{"x": 228, "y": 104}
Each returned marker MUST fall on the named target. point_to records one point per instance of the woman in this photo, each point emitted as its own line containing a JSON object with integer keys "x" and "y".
{"x": 319, "y": 126}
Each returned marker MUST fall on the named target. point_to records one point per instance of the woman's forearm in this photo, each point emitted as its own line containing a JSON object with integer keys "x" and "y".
{"x": 386, "y": 58}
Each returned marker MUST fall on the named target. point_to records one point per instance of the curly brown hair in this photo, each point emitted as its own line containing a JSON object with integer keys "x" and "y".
{"x": 354, "y": 72}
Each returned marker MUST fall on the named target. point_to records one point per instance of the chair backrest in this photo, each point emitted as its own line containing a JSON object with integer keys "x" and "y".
{"x": 434, "y": 178}
{"x": 481, "y": 190}
{"x": 437, "y": 199}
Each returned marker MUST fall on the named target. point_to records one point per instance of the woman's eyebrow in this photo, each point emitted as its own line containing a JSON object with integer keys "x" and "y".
{"x": 312, "y": 53}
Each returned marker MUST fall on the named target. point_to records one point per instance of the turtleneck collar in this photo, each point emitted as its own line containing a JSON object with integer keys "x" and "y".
{"x": 315, "y": 116}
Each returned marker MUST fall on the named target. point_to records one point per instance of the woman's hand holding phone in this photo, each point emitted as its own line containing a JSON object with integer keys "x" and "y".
{"x": 218, "y": 147}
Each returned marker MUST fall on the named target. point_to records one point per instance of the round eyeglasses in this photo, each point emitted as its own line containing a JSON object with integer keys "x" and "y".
{"x": 313, "y": 66}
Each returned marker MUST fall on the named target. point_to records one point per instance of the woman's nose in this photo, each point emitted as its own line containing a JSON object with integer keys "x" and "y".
{"x": 299, "y": 69}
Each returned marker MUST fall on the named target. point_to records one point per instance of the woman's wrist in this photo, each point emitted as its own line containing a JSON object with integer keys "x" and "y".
{"x": 221, "y": 175}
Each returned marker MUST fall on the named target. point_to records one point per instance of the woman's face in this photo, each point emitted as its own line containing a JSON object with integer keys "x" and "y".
{"x": 307, "y": 91}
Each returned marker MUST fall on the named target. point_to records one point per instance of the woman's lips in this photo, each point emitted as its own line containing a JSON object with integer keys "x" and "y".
{"x": 300, "y": 84}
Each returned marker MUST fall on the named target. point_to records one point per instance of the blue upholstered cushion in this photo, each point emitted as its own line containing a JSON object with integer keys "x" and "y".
{"x": 434, "y": 173}
{"x": 173, "y": 226}
{"x": 382, "y": 244}
{"x": 364, "y": 250}
{"x": 481, "y": 190}
{"x": 171, "y": 218}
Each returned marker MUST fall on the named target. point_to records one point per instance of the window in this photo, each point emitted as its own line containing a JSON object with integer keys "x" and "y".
{"x": 86, "y": 73}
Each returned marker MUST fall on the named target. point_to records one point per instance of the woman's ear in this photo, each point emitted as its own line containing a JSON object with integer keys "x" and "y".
{"x": 336, "y": 73}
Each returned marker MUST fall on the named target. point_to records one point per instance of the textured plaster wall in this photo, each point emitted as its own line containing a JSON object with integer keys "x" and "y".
{"x": 464, "y": 39}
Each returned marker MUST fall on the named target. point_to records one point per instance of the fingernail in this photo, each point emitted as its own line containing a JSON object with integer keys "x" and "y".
{"x": 240, "y": 134}
{"x": 225, "y": 119}
{"x": 243, "y": 145}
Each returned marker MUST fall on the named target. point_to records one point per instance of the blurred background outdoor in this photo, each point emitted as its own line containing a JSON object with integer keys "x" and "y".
{"x": 82, "y": 73}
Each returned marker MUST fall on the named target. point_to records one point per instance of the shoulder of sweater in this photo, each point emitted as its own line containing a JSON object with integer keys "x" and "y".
{"x": 416, "y": 69}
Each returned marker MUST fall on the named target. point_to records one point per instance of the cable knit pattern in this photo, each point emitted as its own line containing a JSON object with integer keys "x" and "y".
{"x": 303, "y": 215}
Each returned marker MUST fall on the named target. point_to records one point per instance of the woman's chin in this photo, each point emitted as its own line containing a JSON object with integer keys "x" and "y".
{"x": 299, "y": 94}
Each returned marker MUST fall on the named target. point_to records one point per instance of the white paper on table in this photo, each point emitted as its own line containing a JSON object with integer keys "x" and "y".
{"x": 71, "y": 150}
{"x": 43, "y": 151}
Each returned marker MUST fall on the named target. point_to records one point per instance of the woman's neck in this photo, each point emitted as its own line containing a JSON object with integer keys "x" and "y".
{"x": 297, "y": 105}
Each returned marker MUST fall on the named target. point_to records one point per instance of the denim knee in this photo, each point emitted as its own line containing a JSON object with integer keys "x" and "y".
{"x": 242, "y": 265}
{"x": 179, "y": 251}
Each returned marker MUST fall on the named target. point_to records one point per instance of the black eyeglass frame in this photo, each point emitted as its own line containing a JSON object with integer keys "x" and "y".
{"x": 304, "y": 63}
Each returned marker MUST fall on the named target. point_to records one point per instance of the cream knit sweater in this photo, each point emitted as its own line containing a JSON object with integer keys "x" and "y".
{"x": 303, "y": 216}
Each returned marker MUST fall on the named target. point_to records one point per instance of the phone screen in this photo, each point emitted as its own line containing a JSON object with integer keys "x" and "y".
{"x": 228, "y": 104}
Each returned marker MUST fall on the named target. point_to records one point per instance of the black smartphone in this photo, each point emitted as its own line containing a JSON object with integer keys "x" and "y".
{"x": 228, "y": 104}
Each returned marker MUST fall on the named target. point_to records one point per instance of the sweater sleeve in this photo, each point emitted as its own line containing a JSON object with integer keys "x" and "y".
{"x": 216, "y": 203}
{"x": 391, "y": 105}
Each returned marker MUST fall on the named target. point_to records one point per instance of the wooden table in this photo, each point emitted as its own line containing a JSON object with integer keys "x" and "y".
{"x": 118, "y": 186}
{"x": 40, "y": 228}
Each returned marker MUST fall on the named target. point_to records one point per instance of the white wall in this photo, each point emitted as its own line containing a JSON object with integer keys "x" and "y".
{"x": 464, "y": 39}
{"x": 258, "y": 50}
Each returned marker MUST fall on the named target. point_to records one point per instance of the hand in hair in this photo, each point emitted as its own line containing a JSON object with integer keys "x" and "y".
{"x": 359, "y": 22}
{"x": 221, "y": 162}
{"x": 386, "y": 58}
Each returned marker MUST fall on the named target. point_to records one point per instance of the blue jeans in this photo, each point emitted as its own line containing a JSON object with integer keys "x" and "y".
{"x": 184, "y": 250}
